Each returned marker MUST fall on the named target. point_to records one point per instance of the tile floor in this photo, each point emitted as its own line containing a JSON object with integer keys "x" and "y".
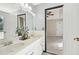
{"x": 55, "y": 44}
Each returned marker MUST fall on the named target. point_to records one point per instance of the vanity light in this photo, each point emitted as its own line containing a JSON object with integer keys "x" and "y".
{"x": 30, "y": 7}
{"x": 26, "y": 5}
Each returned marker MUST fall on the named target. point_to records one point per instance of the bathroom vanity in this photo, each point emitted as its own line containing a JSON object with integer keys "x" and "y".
{"x": 32, "y": 46}
{"x": 35, "y": 48}
{"x": 13, "y": 45}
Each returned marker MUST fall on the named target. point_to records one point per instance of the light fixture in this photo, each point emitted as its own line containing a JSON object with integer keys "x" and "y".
{"x": 30, "y": 7}
{"x": 60, "y": 44}
{"x": 26, "y": 5}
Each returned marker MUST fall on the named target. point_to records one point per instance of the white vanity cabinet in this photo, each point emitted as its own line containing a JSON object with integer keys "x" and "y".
{"x": 43, "y": 43}
{"x": 35, "y": 48}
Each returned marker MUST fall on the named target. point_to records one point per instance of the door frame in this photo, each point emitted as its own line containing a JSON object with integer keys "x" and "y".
{"x": 46, "y": 24}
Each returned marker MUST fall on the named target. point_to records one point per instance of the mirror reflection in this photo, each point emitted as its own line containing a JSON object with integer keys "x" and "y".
{"x": 1, "y": 28}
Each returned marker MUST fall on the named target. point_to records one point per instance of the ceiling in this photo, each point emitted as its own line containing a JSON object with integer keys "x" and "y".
{"x": 9, "y": 7}
{"x": 36, "y": 3}
{"x": 14, "y": 8}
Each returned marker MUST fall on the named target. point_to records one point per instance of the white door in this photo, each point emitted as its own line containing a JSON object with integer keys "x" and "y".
{"x": 71, "y": 28}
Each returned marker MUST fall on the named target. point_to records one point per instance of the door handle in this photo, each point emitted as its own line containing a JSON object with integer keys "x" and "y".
{"x": 77, "y": 39}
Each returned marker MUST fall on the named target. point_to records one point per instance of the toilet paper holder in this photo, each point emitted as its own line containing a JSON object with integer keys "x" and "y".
{"x": 77, "y": 39}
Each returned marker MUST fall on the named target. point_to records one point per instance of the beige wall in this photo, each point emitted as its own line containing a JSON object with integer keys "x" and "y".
{"x": 51, "y": 28}
{"x": 54, "y": 28}
{"x": 10, "y": 25}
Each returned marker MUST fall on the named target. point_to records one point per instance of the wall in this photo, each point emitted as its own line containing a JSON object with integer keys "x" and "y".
{"x": 10, "y": 24}
{"x": 39, "y": 10}
{"x": 55, "y": 22}
{"x": 29, "y": 21}
{"x": 59, "y": 28}
{"x": 71, "y": 29}
{"x": 54, "y": 28}
{"x": 51, "y": 28}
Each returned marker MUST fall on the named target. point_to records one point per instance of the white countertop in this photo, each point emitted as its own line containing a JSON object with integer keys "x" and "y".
{"x": 14, "y": 48}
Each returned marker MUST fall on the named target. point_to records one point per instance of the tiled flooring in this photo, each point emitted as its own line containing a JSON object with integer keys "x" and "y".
{"x": 55, "y": 44}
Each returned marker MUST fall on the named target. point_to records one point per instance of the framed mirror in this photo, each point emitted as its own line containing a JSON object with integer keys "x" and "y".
{"x": 1, "y": 28}
{"x": 21, "y": 24}
{"x": 1, "y": 24}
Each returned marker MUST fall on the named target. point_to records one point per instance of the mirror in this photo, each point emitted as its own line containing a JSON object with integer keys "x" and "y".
{"x": 30, "y": 21}
{"x": 21, "y": 24}
{"x": 25, "y": 24}
{"x": 1, "y": 28}
{"x": 1, "y": 24}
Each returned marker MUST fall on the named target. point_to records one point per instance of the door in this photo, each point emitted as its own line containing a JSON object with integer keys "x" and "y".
{"x": 54, "y": 29}
{"x": 71, "y": 28}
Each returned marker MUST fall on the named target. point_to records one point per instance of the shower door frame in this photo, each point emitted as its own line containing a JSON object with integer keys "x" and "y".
{"x": 59, "y": 6}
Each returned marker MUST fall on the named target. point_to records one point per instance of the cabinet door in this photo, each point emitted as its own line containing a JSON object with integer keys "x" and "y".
{"x": 43, "y": 43}
{"x": 38, "y": 48}
{"x": 71, "y": 29}
{"x": 26, "y": 51}
{"x": 34, "y": 49}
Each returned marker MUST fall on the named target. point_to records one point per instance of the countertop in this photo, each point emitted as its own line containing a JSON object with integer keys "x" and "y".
{"x": 16, "y": 47}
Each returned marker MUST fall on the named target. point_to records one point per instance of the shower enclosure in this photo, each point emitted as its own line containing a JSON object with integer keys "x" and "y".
{"x": 54, "y": 30}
